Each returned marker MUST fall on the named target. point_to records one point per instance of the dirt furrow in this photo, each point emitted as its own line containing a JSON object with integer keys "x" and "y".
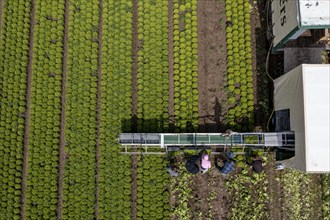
{"x": 63, "y": 105}
{"x": 211, "y": 64}
{"x": 135, "y": 45}
{"x": 99, "y": 93}
{"x": 28, "y": 111}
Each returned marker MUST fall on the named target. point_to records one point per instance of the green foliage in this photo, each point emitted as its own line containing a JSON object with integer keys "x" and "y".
{"x": 185, "y": 62}
{"x": 13, "y": 65}
{"x": 116, "y": 105}
{"x": 326, "y": 196}
{"x": 239, "y": 58}
{"x": 248, "y": 190}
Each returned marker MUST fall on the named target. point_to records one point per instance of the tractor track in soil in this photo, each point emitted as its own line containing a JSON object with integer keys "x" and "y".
{"x": 98, "y": 111}
{"x": 28, "y": 111}
{"x": 134, "y": 160}
{"x": 62, "y": 154}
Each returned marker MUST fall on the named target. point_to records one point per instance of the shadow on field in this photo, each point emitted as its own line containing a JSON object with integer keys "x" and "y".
{"x": 264, "y": 84}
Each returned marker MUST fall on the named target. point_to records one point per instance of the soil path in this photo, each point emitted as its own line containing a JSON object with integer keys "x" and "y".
{"x": 28, "y": 111}
{"x": 170, "y": 65}
{"x": 135, "y": 45}
{"x": 62, "y": 155}
{"x": 210, "y": 196}
{"x": 211, "y": 64}
{"x": 98, "y": 111}
{"x": 134, "y": 161}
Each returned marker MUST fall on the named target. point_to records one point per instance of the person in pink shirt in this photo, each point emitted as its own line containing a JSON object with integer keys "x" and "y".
{"x": 205, "y": 163}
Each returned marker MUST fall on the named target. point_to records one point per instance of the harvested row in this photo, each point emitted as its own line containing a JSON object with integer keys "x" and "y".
{"x": 13, "y": 68}
{"x": 185, "y": 65}
{"x": 41, "y": 198}
{"x": 239, "y": 65}
{"x": 116, "y": 105}
{"x": 153, "y": 82}
{"x": 80, "y": 124}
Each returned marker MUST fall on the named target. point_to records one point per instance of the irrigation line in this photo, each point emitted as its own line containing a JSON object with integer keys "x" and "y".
{"x": 267, "y": 66}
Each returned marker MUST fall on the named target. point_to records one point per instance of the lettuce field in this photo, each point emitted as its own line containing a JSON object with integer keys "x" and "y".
{"x": 74, "y": 74}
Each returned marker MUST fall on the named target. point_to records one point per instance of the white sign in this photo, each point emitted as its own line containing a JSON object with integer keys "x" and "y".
{"x": 285, "y": 18}
{"x": 314, "y": 12}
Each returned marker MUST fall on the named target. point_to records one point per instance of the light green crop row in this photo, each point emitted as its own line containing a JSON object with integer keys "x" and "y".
{"x": 239, "y": 65}
{"x": 80, "y": 122}
{"x": 116, "y": 109}
{"x": 153, "y": 82}
{"x": 14, "y": 42}
{"x": 44, "y": 136}
{"x": 185, "y": 65}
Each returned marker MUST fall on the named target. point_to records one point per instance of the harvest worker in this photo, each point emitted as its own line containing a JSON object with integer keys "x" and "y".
{"x": 228, "y": 164}
{"x": 172, "y": 168}
{"x": 256, "y": 164}
{"x": 191, "y": 165}
{"x": 205, "y": 163}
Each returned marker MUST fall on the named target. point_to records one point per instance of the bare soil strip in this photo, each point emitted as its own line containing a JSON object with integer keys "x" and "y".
{"x": 28, "y": 111}
{"x": 99, "y": 93}
{"x": 61, "y": 161}
{"x": 135, "y": 45}
{"x": 170, "y": 62}
{"x": 134, "y": 161}
{"x": 212, "y": 64}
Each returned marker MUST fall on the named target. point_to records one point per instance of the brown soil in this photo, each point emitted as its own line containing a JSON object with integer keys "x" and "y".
{"x": 28, "y": 112}
{"x": 170, "y": 64}
{"x": 62, "y": 155}
{"x": 210, "y": 196}
{"x": 212, "y": 64}
{"x": 99, "y": 93}
{"x": 275, "y": 191}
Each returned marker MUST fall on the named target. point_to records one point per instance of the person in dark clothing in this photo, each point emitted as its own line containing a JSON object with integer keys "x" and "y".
{"x": 172, "y": 169}
{"x": 191, "y": 164}
{"x": 256, "y": 164}
{"x": 228, "y": 164}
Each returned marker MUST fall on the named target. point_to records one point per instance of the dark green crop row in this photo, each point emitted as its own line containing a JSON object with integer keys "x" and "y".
{"x": 14, "y": 46}
{"x": 41, "y": 197}
{"x": 80, "y": 122}
{"x": 116, "y": 109}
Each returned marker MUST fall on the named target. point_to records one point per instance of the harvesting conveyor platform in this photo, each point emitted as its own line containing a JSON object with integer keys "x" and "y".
{"x": 173, "y": 141}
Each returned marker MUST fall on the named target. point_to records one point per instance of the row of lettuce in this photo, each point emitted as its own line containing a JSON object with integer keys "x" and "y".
{"x": 239, "y": 65}
{"x": 14, "y": 48}
{"x": 81, "y": 87}
{"x": 152, "y": 109}
{"x": 116, "y": 109}
{"x": 44, "y": 130}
